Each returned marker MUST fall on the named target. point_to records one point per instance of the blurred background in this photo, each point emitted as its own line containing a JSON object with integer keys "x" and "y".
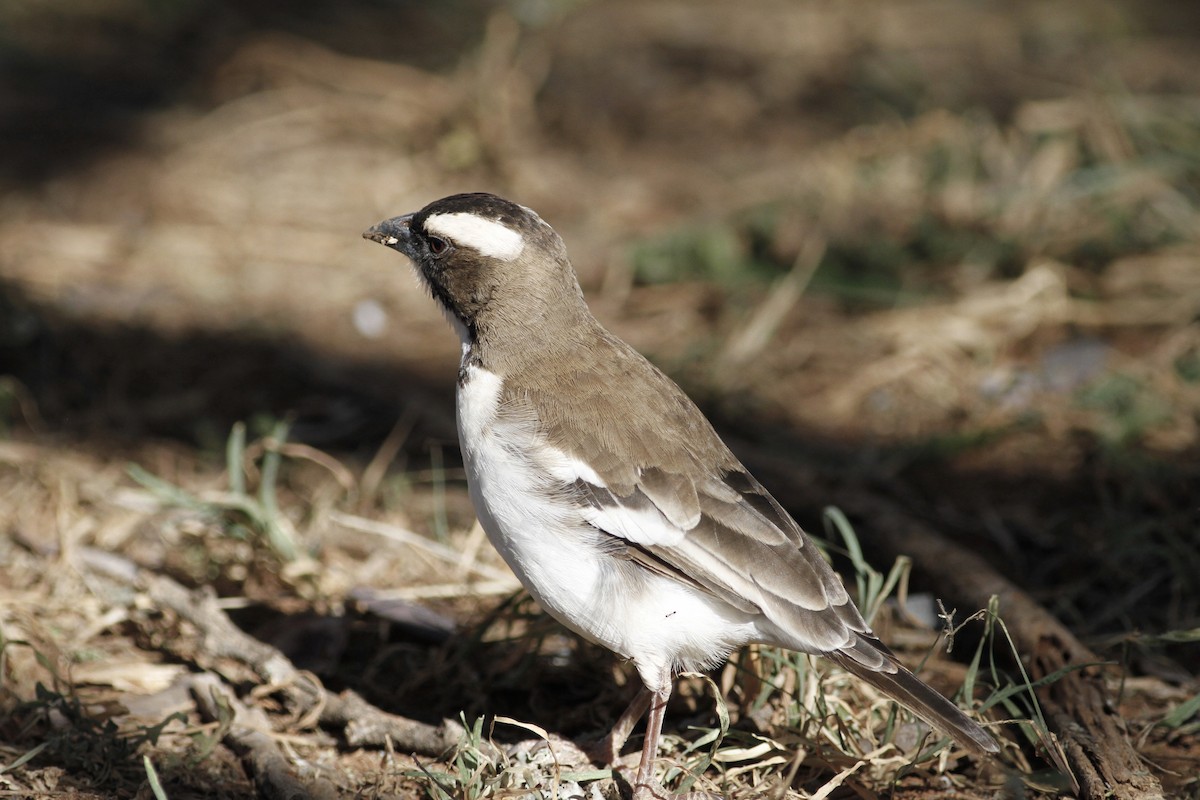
{"x": 945, "y": 252}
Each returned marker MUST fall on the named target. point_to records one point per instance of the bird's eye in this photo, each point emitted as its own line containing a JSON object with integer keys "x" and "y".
{"x": 437, "y": 246}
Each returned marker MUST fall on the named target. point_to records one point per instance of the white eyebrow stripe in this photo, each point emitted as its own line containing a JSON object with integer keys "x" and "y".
{"x": 490, "y": 238}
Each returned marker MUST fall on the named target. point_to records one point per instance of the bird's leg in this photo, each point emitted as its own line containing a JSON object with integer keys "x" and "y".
{"x": 644, "y": 785}
{"x": 608, "y": 749}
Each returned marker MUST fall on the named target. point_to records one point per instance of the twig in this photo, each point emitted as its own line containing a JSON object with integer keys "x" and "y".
{"x": 365, "y": 725}
{"x": 271, "y": 771}
{"x": 360, "y": 722}
{"x": 440, "y": 551}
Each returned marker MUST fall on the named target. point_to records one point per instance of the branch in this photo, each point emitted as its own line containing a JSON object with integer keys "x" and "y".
{"x": 360, "y": 722}
{"x": 271, "y": 771}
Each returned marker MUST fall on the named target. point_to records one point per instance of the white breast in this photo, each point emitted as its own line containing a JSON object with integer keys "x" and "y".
{"x": 527, "y": 523}
{"x": 542, "y": 533}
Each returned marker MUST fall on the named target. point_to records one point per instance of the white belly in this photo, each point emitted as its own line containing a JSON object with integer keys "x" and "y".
{"x": 660, "y": 623}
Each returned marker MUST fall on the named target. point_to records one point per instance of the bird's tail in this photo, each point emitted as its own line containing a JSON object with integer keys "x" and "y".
{"x": 870, "y": 660}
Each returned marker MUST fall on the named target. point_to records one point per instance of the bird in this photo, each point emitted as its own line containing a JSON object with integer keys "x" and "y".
{"x": 608, "y": 492}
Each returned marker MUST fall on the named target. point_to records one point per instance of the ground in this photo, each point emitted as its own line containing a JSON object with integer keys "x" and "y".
{"x": 932, "y": 264}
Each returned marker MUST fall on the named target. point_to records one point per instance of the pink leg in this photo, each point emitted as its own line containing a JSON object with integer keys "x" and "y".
{"x": 608, "y": 749}
{"x": 644, "y": 786}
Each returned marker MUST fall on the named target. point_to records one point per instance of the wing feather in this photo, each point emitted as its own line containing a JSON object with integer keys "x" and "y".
{"x": 741, "y": 546}
{"x": 745, "y": 549}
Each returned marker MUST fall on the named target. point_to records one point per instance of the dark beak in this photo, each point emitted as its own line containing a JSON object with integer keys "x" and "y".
{"x": 395, "y": 233}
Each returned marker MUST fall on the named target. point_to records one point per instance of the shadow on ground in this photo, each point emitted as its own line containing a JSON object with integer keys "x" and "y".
{"x": 110, "y": 388}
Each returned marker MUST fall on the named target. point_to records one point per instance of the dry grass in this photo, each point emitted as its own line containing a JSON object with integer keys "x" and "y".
{"x": 945, "y": 250}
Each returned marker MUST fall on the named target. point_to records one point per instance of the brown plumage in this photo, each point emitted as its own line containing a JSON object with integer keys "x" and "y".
{"x": 606, "y": 488}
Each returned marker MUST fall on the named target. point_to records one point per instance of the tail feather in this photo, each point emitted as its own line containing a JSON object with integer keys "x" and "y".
{"x": 896, "y": 682}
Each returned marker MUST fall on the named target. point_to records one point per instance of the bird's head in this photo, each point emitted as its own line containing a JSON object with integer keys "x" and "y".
{"x": 488, "y": 261}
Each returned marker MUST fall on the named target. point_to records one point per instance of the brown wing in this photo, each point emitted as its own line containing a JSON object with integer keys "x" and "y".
{"x": 741, "y": 546}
